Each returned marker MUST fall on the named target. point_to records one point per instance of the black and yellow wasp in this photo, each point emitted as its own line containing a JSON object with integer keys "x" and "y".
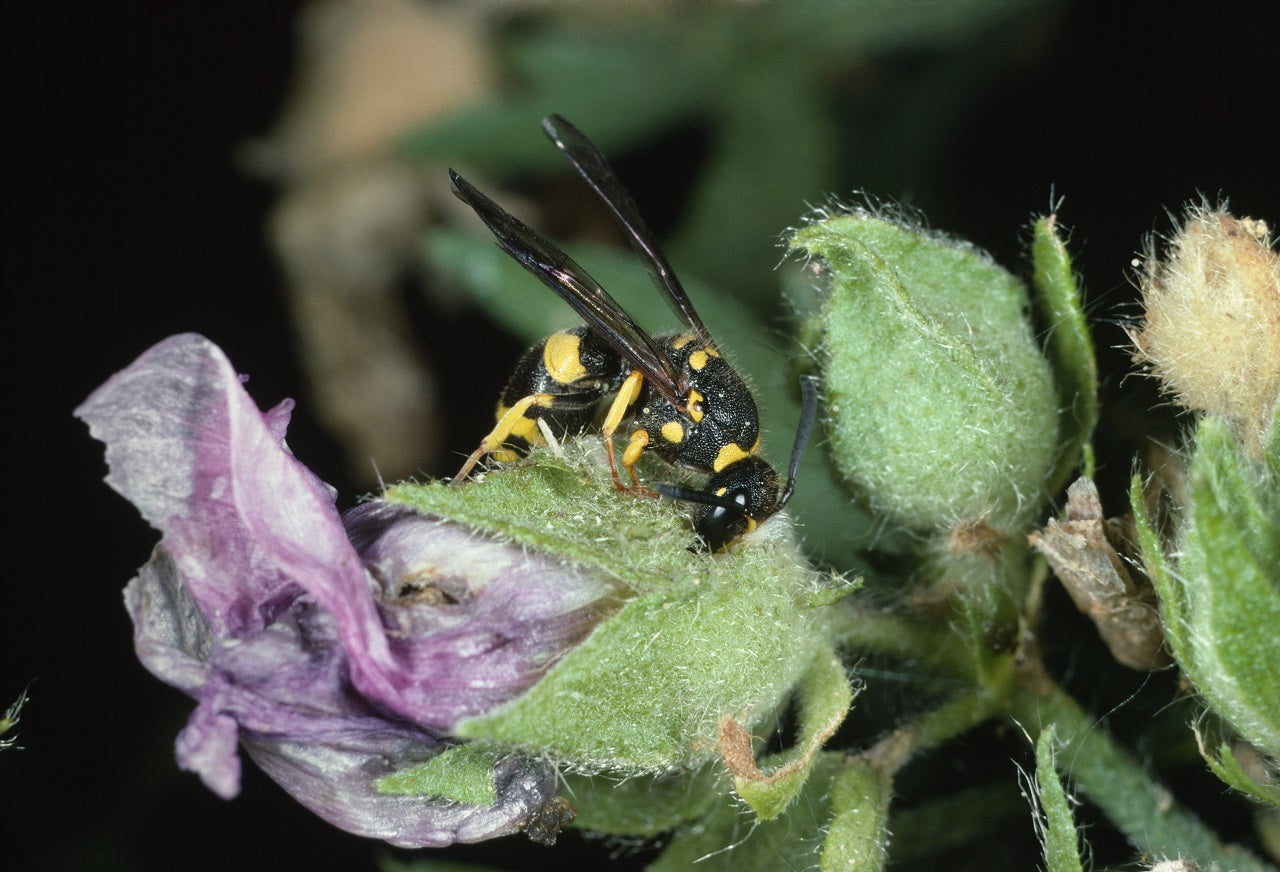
{"x": 682, "y": 399}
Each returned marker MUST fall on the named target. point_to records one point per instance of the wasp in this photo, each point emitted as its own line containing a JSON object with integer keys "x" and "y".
{"x": 679, "y": 396}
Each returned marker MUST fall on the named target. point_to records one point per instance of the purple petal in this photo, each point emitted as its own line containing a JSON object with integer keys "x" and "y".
{"x": 336, "y": 782}
{"x": 243, "y": 518}
{"x": 248, "y": 525}
{"x": 257, "y": 604}
{"x": 473, "y": 622}
{"x": 286, "y": 695}
{"x": 288, "y": 683}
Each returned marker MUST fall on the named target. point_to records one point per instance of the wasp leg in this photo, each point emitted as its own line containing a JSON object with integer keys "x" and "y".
{"x": 501, "y": 431}
{"x": 622, "y": 401}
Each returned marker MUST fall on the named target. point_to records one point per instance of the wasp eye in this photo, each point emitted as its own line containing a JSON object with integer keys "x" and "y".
{"x": 721, "y": 524}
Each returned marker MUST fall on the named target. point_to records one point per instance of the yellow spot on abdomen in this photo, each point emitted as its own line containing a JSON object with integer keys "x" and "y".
{"x": 562, "y": 357}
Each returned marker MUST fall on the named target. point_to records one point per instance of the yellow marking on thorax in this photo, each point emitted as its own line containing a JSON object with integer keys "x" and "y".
{"x": 673, "y": 432}
{"x": 694, "y": 404}
{"x": 729, "y": 455}
{"x": 562, "y": 357}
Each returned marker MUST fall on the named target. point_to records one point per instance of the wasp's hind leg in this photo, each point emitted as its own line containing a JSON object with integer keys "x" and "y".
{"x": 556, "y": 384}
{"x": 514, "y": 423}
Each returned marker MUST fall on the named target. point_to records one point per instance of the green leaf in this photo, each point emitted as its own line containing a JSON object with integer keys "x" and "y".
{"x": 1070, "y": 347}
{"x": 622, "y": 87}
{"x": 1061, "y": 842}
{"x": 758, "y": 176}
{"x": 947, "y": 824}
{"x": 1131, "y": 798}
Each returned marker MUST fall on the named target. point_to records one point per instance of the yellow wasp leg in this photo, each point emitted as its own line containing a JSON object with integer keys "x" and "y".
{"x": 635, "y": 447}
{"x": 617, "y": 411}
{"x": 510, "y": 420}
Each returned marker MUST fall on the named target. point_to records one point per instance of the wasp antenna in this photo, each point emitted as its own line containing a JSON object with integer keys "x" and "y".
{"x": 675, "y": 492}
{"x": 808, "y": 411}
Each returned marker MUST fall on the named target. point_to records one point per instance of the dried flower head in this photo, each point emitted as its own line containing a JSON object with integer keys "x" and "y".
{"x": 1211, "y": 334}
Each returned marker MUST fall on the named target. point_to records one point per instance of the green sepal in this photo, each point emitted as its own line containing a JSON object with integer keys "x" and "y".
{"x": 1069, "y": 347}
{"x": 1220, "y": 603}
{"x": 723, "y": 840}
{"x": 1061, "y": 841}
{"x": 823, "y": 699}
{"x": 462, "y": 773}
{"x": 693, "y": 638}
{"x": 1226, "y": 765}
{"x": 644, "y": 806}
{"x": 940, "y": 407}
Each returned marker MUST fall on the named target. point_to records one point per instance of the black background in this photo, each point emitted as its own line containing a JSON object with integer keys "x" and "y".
{"x": 126, "y": 221}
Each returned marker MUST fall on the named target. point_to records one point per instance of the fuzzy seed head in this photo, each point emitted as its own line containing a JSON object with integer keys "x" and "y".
{"x": 1212, "y": 329}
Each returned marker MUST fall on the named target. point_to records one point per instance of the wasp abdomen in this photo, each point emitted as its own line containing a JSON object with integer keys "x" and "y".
{"x": 559, "y": 380}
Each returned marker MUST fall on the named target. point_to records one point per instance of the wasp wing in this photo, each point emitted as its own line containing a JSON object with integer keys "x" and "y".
{"x": 595, "y": 169}
{"x": 558, "y": 271}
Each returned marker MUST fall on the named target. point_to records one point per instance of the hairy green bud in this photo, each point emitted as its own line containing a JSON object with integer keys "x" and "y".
{"x": 942, "y": 411}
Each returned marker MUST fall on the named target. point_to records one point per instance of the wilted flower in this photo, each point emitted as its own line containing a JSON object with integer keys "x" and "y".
{"x": 337, "y": 650}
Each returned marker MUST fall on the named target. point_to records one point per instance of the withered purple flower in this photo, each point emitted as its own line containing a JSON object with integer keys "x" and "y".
{"x": 336, "y": 650}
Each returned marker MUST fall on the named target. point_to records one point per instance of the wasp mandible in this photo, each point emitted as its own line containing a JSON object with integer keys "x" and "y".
{"x": 678, "y": 395}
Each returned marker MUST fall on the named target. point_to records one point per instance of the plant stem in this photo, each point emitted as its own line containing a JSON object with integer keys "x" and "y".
{"x": 1144, "y": 810}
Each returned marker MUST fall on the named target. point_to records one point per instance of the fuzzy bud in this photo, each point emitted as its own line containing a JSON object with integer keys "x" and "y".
{"x": 941, "y": 409}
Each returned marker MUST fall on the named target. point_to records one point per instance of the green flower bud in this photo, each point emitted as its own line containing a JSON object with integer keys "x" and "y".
{"x": 942, "y": 411}
{"x": 1212, "y": 321}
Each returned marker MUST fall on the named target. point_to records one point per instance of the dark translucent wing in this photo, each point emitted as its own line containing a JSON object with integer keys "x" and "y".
{"x": 591, "y": 301}
{"x": 593, "y": 167}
